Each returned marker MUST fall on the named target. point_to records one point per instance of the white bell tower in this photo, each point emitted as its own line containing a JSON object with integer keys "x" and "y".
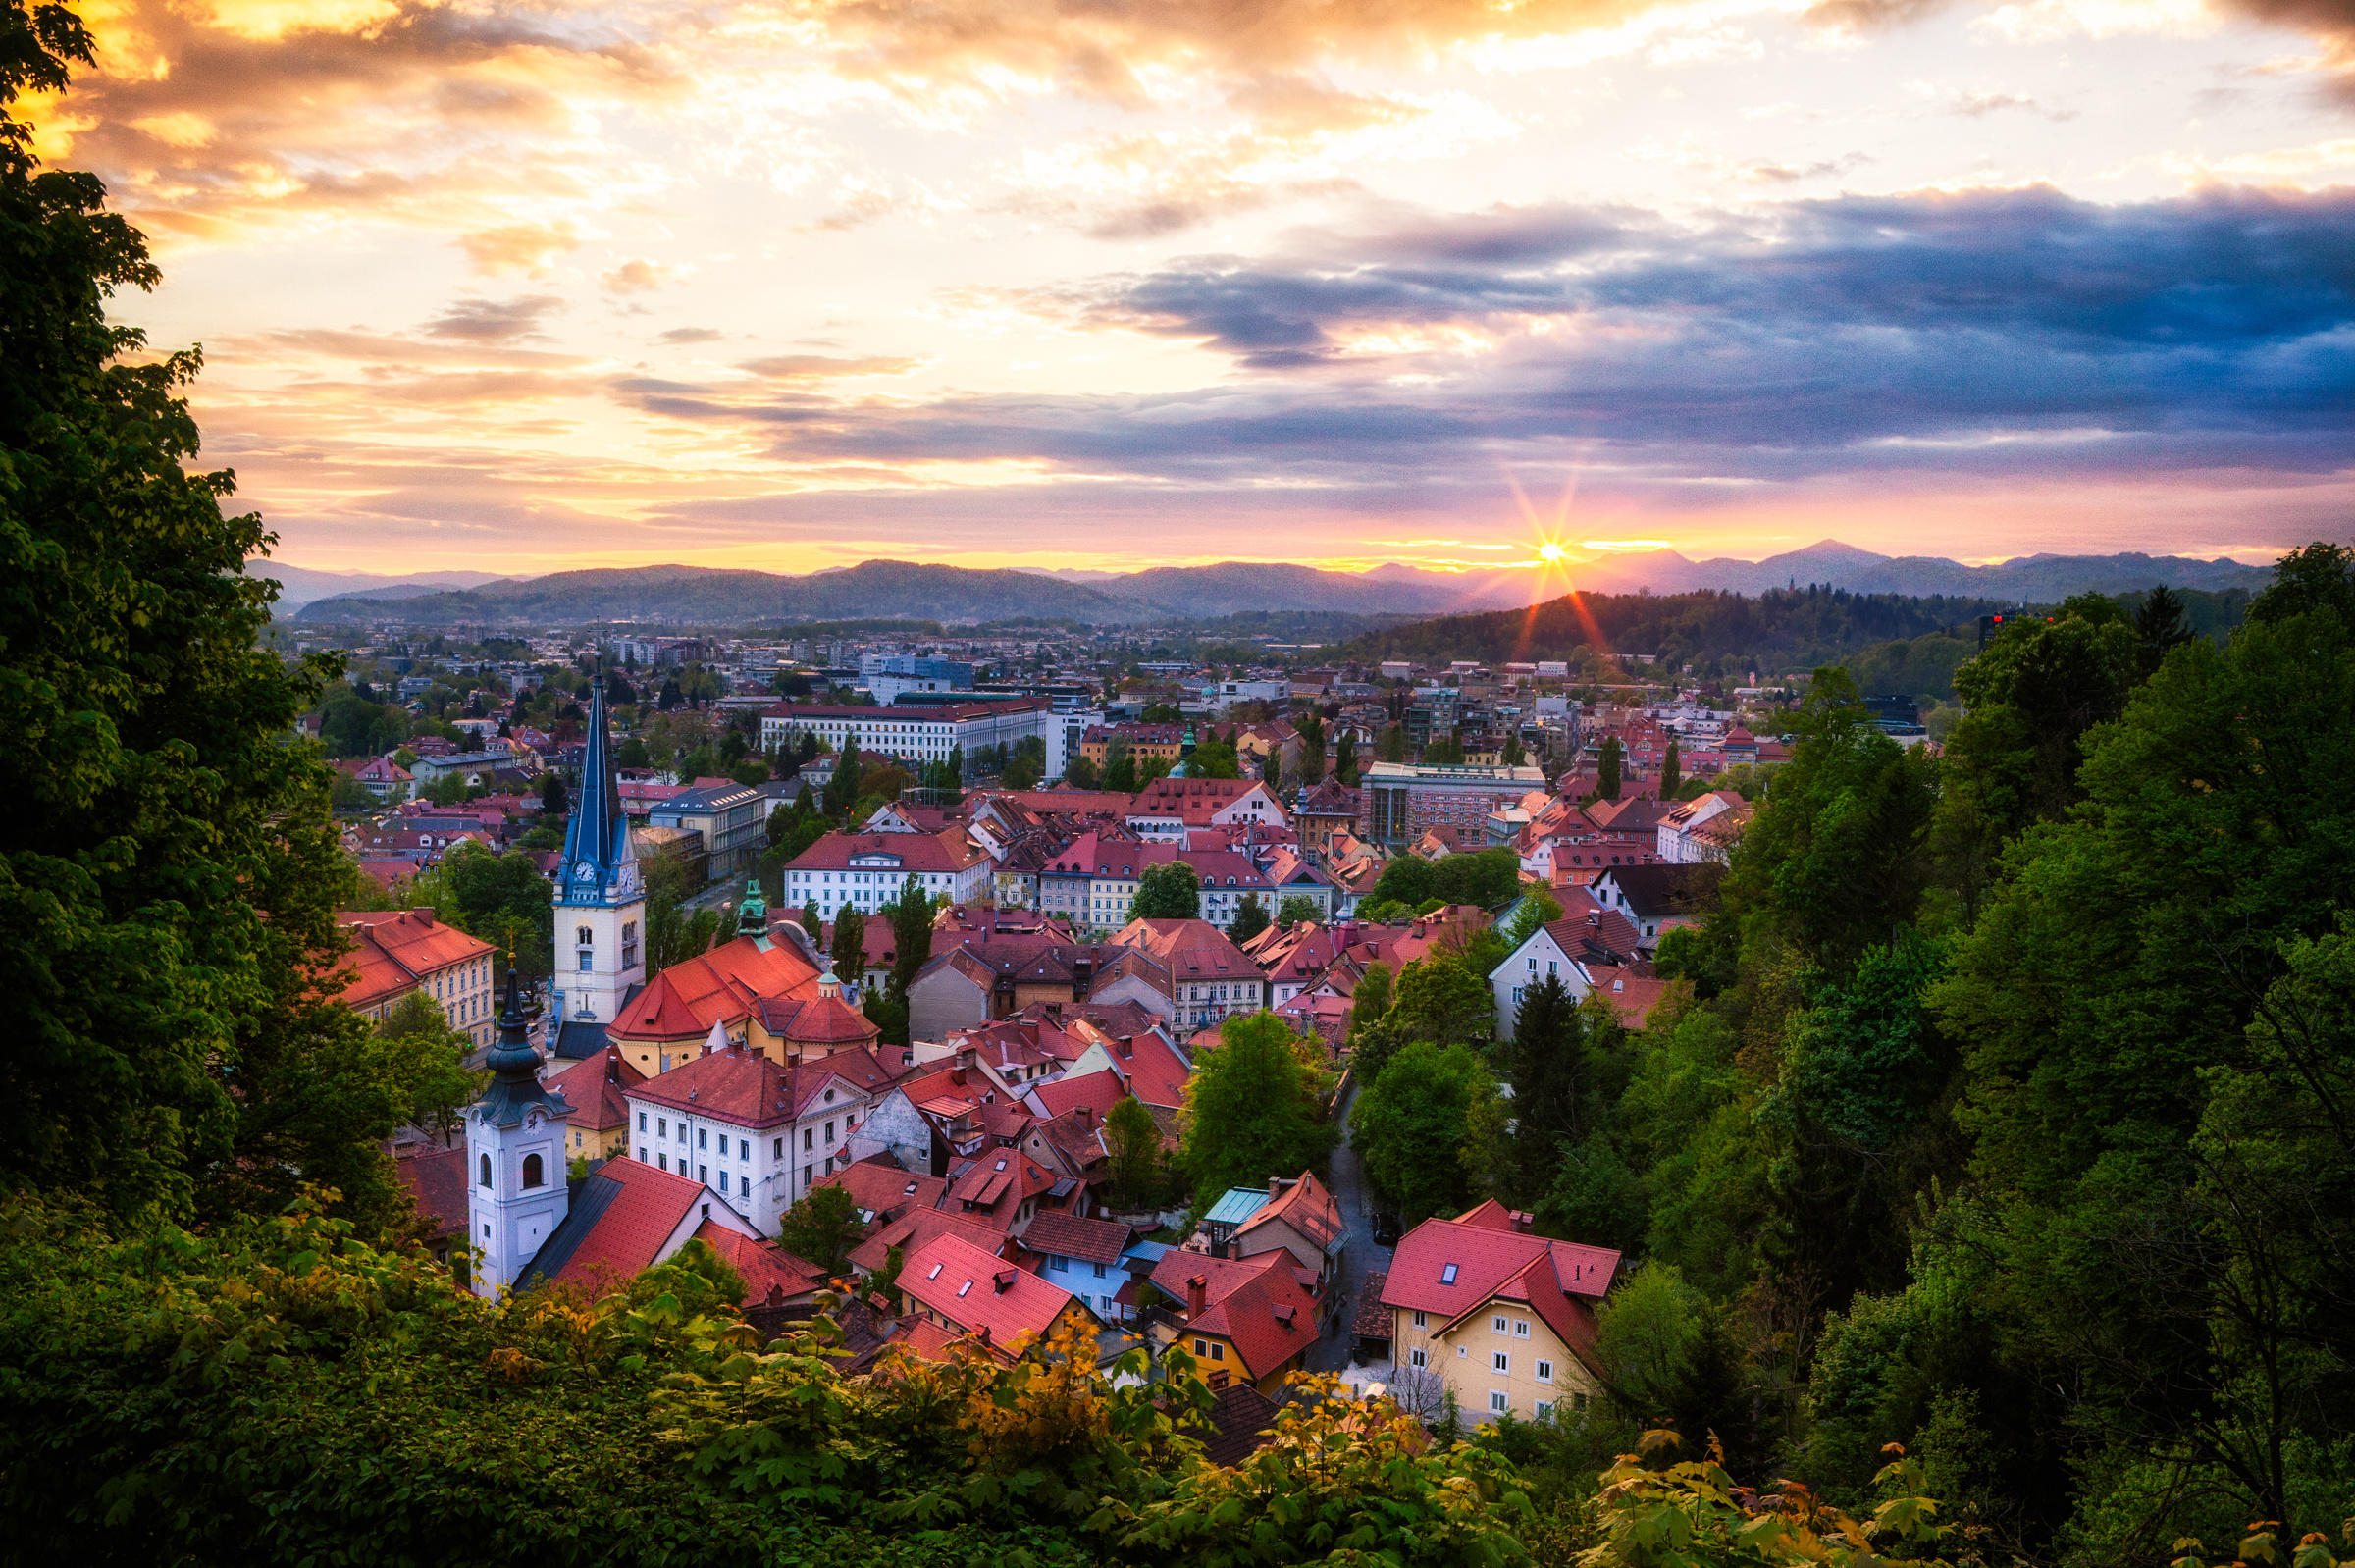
{"x": 601, "y": 896}
{"x": 516, "y": 1168}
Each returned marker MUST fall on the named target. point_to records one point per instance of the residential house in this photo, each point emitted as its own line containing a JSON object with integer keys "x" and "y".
{"x": 1658, "y": 898}
{"x": 1504, "y": 1318}
{"x": 963, "y": 1290}
{"x": 1166, "y": 808}
{"x": 1206, "y": 978}
{"x": 732, "y": 817}
{"x": 598, "y": 1125}
{"x": 1577, "y": 949}
{"x": 1704, "y": 829}
{"x": 1083, "y": 1256}
{"x": 1249, "y": 1320}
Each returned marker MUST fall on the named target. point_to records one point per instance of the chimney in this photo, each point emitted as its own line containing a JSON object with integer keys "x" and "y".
{"x": 957, "y": 1073}
{"x": 612, "y": 1063}
{"x": 982, "y": 1333}
{"x": 1002, "y": 1279}
{"x": 1087, "y": 1116}
{"x": 426, "y": 915}
{"x": 1197, "y": 1298}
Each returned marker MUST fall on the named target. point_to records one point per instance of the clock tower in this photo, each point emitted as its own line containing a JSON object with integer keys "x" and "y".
{"x": 601, "y": 895}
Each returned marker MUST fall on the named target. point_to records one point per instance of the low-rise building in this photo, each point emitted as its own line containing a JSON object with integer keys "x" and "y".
{"x": 400, "y": 950}
{"x": 1504, "y": 1318}
{"x": 732, "y": 817}
{"x": 867, "y": 870}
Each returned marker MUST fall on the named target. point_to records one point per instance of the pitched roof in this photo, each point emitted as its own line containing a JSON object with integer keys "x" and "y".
{"x": 882, "y": 1189}
{"x": 1098, "y": 1091}
{"x": 761, "y": 1263}
{"x": 1256, "y": 1304}
{"x": 1654, "y": 891}
{"x": 593, "y": 1089}
{"x": 394, "y": 949}
{"x": 916, "y": 1228}
{"x": 1191, "y": 950}
{"x": 750, "y": 1089}
{"x": 1066, "y": 1236}
{"x": 437, "y": 1183}
{"x": 619, "y": 1220}
{"x": 949, "y": 850}
{"x": 723, "y": 985}
{"x": 978, "y": 1291}
{"x": 1451, "y": 1267}
{"x": 1308, "y": 1207}
{"x": 817, "y": 1020}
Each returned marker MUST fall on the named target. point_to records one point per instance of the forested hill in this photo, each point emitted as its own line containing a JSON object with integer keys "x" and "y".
{"x": 1893, "y": 642}
{"x": 1714, "y": 632}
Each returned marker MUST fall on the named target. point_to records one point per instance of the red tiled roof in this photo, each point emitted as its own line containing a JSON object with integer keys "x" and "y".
{"x": 749, "y": 1089}
{"x": 1098, "y": 1091}
{"x": 394, "y": 949}
{"x": 1307, "y": 1207}
{"x": 437, "y": 1183}
{"x": 1256, "y": 1304}
{"x": 643, "y": 1212}
{"x": 946, "y": 850}
{"x": 883, "y": 1188}
{"x": 817, "y": 1020}
{"x": 1558, "y": 1279}
{"x": 976, "y": 1291}
{"x": 761, "y": 1263}
{"x": 593, "y": 1087}
{"x": 1066, "y": 1236}
{"x": 722, "y": 985}
{"x": 917, "y": 1228}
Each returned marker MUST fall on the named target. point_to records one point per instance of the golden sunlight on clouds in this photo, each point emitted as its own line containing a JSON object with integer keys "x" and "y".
{"x": 266, "y": 21}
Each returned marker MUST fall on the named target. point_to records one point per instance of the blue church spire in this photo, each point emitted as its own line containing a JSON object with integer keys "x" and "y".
{"x": 600, "y": 866}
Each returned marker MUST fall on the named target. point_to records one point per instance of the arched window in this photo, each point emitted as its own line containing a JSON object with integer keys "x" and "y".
{"x": 486, "y": 1169}
{"x": 532, "y": 1175}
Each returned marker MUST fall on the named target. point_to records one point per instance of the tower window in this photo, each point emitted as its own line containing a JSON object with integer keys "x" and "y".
{"x": 486, "y": 1178}
{"x": 583, "y": 936}
{"x": 534, "y": 1173}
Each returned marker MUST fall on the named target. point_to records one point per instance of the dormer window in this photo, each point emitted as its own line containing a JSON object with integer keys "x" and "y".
{"x": 1447, "y": 1274}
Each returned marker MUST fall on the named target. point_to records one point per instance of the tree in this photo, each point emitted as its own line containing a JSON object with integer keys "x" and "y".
{"x": 435, "y": 1066}
{"x": 1607, "y": 772}
{"x": 1251, "y": 1108}
{"x": 1391, "y": 747}
{"x": 349, "y": 796}
{"x": 2320, "y": 576}
{"x": 1672, "y": 771}
{"x": 1441, "y": 1001}
{"x": 822, "y": 1228}
{"x": 1119, "y": 767}
{"x": 1132, "y": 1142}
{"x": 1170, "y": 891}
{"x": 1271, "y": 769}
{"x": 842, "y": 790}
{"x": 812, "y": 924}
{"x": 504, "y": 900}
{"x": 552, "y": 797}
{"x": 1409, "y": 1127}
{"x": 674, "y": 933}
{"x": 1372, "y": 999}
{"x": 1511, "y": 753}
{"x": 1536, "y": 910}
{"x": 1250, "y": 918}
{"x": 1546, "y": 1061}
{"x": 1312, "y": 749}
{"x": 169, "y": 864}
{"x": 2158, "y": 625}
{"x": 1079, "y": 772}
{"x": 911, "y": 950}
{"x": 849, "y": 945}
{"x": 1296, "y": 907}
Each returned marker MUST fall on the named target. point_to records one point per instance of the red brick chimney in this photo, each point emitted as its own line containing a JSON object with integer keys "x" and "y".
{"x": 1197, "y": 1298}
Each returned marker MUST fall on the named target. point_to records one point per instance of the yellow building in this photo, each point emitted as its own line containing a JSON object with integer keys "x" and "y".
{"x": 1160, "y": 742}
{"x": 1505, "y": 1319}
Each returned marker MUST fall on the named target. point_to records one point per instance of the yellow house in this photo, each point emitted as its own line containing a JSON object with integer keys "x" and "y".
{"x": 1245, "y": 1320}
{"x": 1505, "y": 1319}
{"x": 599, "y": 1126}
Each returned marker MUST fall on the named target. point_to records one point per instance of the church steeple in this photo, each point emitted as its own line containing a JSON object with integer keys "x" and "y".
{"x": 514, "y": 1156}
{"x": 601, "y": 893}
{"x": 597, "y": 841}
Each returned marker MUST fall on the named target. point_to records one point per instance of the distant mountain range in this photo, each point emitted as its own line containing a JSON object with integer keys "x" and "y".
{"x": 697, "y": 595}
{"x": 303, "y": 585}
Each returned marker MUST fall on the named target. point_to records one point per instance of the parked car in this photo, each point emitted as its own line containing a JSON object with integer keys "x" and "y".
{"x": 1385, "y": 1229}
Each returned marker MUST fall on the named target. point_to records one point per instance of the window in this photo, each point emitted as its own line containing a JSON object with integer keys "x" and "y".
{"x": 702, "y": 1173}
{"x": 1463, "y": 1352}
{"x": 1497, "y": 1403}
{"x": 777, "y": 1148}
{"x": 829, "y": 1134}
{"x": 486, "y": 1169}
{"x": 584, "y": 964}
{"x": 535, "y": 1174}
{"x": 1057, "y": 1265}
{"x": 1578, "y": 1401}
{"x": 807, "y": 1171}
{"x": 744, "y": 1148}
{"x": 1201, "y": 1347}
{"x": 809, "y": 1140}
{"x": 663, "y": 1127}
{"x": 1497, "y": 1325}
{"x": 1520, "y": 1328}
{"x": 1545, "y": 1372}
{"x": 1447, "y": 1274}
{"x": 1500, "y": 1362}
{"x": 642, "y": 1154}
{"x": 583, "y": 936}
{"x": 1421, "y": 1319}
{"x": 1545, "y": 1410}
{"x": 1418, "y": 1358}
{"x": 662, "y": 1162}
{"x": 702, "y": 1140}
{"x": 1217, "y": 1351}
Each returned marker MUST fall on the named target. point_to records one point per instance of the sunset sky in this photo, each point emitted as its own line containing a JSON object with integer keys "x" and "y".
{"x": 1119, "y": 282}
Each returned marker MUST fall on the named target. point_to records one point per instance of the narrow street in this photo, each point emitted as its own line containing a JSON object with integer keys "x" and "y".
{"x": 1349, "y": 1189}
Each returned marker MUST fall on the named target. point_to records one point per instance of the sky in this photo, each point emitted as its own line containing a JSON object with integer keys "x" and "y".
{"x": 1109, "y": 284}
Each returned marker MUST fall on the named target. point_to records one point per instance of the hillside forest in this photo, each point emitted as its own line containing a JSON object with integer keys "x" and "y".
{"x": 1986, "y": 1189}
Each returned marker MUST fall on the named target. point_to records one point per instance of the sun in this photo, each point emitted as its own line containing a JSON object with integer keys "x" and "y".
{"x": 1550, "y": 552}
